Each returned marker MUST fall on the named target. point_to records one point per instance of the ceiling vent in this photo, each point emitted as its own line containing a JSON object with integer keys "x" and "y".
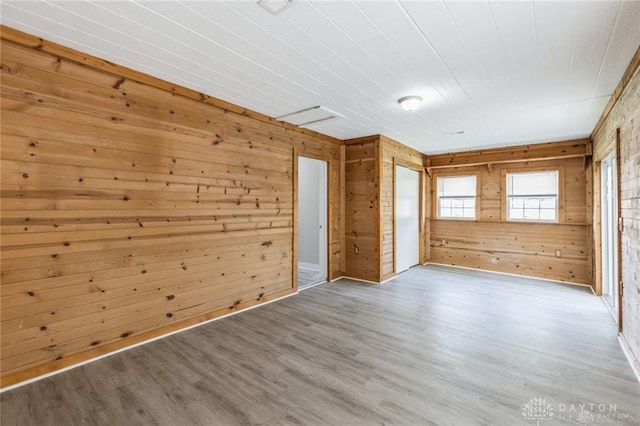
{"x": 309, "y": 116}
{"x": 274, "y": 7}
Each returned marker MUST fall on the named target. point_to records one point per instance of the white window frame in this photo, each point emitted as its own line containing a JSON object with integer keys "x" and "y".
{"x": 474, "y": 196}
{"x": 557, "y": 196}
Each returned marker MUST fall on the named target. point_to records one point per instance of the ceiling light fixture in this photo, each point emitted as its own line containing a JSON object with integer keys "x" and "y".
{"x": 409, "y": 103}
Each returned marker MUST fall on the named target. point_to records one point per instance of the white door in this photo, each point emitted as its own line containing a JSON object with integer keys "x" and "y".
{"x": 609, "y": 216}
{"x": 407, "y": 218}
{"x": 323, "y": 217}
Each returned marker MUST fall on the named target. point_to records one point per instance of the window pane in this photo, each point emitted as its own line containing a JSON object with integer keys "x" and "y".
{"x": 517, "y": 203}
{"x": 464, "y": 186}
{"x": 531, "y": 203}
{"x": 532, "y": 196}
{"x": 548, "y": 214}
{"x": 516, "y": 214}
{"x": 457, "y": 197}
{"x": 470, "y": 209}
{"x": 548, "y": 203}
{"x": 537, "y": 183}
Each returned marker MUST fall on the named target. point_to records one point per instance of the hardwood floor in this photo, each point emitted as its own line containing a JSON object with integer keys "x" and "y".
{"x": 308, "y": 278}
{"x": 435, "y": 346}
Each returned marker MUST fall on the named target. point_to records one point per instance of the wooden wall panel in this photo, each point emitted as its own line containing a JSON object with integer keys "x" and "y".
{"x": 361, "y": 210}
{"x": 512, "y": 247}
{"x": 623, "y": 113}
{"x": 370, "y": 173}
{"x": 515, "y": 154}
{"x": 491, "y": 242}
{"x": 132, "y": 207}
{"x": 394, "y": 153}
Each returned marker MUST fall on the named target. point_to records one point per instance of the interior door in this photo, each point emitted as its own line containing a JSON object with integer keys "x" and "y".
{"x": 407, "y": 218}
{"x": 323, "y": 227}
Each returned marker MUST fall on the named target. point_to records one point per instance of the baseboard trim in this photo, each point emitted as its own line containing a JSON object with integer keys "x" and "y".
{"x": 633, "y": 361}
{"x": 300, "y": 289}
{"x": 512, "y": 275}
{"x": 140, "y": 343}
{"x": 346, "y": 277}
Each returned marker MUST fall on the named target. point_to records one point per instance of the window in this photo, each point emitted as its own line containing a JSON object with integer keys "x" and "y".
{"x": 457, "y": 197}
{"x": 532, "y": 196}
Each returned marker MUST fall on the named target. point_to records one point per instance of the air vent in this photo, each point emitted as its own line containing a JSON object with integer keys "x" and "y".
{"x": 309, "y": 116}
{"x": 274, "y": 7}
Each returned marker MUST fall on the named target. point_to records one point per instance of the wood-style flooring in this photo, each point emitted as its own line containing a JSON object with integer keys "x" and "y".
{"x": 435, "y": 346}
{"x": 308, "y": 278}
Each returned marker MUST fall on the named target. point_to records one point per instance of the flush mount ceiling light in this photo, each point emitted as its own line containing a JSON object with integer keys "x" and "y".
{"x": 409, "y": 103}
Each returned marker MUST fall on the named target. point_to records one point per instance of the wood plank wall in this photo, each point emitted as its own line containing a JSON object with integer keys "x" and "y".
{"x": 362, "y": 248}
{"x": 370, "y": 177}
{"x": 394, "y": 153}
{"x": 523, "y": 248}
{"x": 132, "y": 207}
{"x": 623, "y": 115}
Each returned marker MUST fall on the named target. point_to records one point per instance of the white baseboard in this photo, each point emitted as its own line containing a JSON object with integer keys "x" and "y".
{"x": 513, "y": 275}
{"x": 633, "y": 361}
{"x": 89, "y": 361}
{"x": 300, "y": 289}
{"x": 364, "y": 281}
{"x": 309, "y": 266}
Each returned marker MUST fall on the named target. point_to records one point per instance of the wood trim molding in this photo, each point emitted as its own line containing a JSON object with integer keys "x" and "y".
{"x": 561, "y": 191}
{"x": 421, "y": 209}
{"x": 393, "y": 215}
{"x": 363, "y": 139}
{"x": 618, "y": 247}
{"x": 294, "y": 228}
{"x": 330, "y": 219}
{"x": 378, "y": 209}
{"x": 490, "y": 164}
{"x": 72, "y": 55}
{"x": 512, "y": 154}
{"x": 631, "y": 70}
{"x": 597, "y": 227}
{"x": 343, "y": 209}
{"x": 435, "y": 204}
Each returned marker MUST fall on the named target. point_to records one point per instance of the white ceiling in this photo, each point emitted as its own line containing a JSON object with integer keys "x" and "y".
{"x": 507, "y": 73}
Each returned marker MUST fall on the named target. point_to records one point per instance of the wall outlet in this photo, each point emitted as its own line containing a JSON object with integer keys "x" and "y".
{"x": 356, "y": 250}
{"x": 558, "y": 253}
{"x": 444, "y": 242}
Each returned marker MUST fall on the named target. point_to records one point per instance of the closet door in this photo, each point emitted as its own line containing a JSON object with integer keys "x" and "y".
{"x": 407, "y": 218}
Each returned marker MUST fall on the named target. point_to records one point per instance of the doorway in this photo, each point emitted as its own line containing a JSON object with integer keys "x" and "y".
{"x": 407, "y": 218}
{"x": 609, "y": 234}
{"x": 312, "y": 222}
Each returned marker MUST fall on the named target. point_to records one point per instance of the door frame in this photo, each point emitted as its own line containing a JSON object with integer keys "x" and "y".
{"x": 329, "y": 232}
{"x": 613, "y": 153}
{"x": 421, "y": 209}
